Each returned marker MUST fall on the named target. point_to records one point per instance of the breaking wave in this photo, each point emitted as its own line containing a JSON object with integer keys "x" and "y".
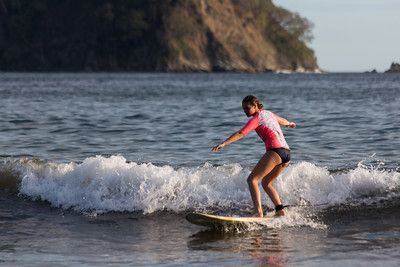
{"x": 101, "y": 184}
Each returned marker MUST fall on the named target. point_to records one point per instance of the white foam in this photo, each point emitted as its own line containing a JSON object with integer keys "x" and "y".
{"x": 307, "y": 184}
{"x": 296, "y": 217}
{"x": 112, "y": 184}
{"x": 102, "y": 184}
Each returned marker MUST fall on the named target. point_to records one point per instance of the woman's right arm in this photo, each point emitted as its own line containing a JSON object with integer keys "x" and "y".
{"x": 233, "y": 138}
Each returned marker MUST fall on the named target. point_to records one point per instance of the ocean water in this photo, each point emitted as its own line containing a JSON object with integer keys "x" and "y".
{"x": 100, "y": 169}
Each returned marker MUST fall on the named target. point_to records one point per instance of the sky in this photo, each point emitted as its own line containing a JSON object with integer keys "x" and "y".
{"x": 351, "y": 35}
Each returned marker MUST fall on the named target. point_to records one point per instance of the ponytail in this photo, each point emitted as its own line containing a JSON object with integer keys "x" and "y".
{"x": 252, "y": 100}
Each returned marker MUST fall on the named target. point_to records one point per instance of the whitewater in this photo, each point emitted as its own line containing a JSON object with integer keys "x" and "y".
{"x": 101, "y": 184}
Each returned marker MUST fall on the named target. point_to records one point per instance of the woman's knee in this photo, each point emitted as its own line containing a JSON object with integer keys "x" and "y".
{"x": 266, "y": 183}
{"x": 251, "y": 180}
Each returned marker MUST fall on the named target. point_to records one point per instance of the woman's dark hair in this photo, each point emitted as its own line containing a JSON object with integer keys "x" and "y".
{"x": 252, "y": 100}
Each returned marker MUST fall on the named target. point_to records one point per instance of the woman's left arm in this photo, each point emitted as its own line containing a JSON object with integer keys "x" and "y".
{"x": 285, "y": 122}
{"x": 233, "y": 138}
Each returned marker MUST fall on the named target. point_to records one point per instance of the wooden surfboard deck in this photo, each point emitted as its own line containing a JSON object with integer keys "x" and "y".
{"x": 221, "y": 221}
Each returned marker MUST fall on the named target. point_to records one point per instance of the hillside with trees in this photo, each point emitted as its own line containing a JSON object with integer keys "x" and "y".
{"x": 153, "y": 35}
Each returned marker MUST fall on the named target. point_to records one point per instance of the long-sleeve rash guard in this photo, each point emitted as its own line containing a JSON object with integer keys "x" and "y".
{"x": 267, "y": 126}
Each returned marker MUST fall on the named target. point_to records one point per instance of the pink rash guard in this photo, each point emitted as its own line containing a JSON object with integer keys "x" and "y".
{"x": 267, "y": 126}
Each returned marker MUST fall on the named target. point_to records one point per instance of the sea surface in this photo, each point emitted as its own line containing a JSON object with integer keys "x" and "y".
{"x": 100, "y": 169}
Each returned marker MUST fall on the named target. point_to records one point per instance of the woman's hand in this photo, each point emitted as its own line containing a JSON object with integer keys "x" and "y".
{"x": 233, "y": 138}
{"x": 218, "y": 147}
{"x": 291, "y": 125}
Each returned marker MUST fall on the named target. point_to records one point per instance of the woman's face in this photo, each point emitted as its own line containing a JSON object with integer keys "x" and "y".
{"x": 249, "y": 110}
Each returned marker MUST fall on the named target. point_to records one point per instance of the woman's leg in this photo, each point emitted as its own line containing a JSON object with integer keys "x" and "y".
{"x": 267, "y": 185}
{"x": 265, "y": 165}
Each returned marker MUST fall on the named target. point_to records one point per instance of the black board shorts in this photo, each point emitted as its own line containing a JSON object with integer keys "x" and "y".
{"x": 284, "y": 153}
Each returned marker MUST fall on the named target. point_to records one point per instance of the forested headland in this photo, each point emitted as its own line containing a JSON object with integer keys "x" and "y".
{"x": 153, "y": 35}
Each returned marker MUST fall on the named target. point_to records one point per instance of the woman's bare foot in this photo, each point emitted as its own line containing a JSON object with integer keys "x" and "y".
{"x": 280, "y": 213}
{"x": 257, "y": 215}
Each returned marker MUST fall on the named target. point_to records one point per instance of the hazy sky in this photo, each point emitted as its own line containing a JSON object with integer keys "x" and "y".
{"x": 352, "y": 35}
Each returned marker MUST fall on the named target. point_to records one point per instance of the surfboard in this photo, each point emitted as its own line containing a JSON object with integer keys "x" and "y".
{"x": 224, "y": 221}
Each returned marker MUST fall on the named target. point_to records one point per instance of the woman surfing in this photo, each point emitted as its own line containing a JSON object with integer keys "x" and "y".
{"x": 274, "y": 161}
